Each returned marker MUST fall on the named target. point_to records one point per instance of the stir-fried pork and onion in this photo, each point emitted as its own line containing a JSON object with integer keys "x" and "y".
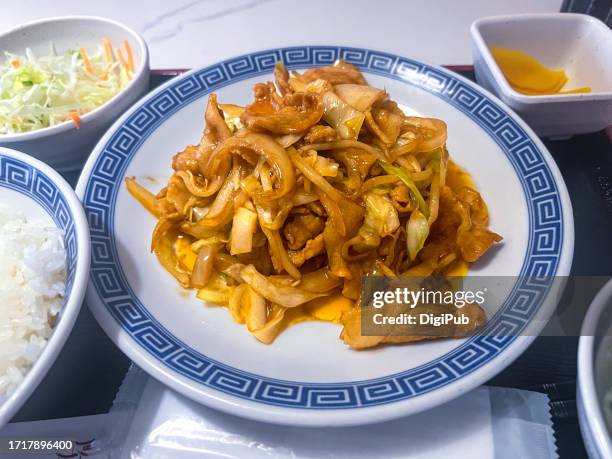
{"x": 286, "y": 203}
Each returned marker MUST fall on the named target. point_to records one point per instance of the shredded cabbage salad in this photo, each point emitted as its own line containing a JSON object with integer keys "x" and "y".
{"x": 42, "y": 91}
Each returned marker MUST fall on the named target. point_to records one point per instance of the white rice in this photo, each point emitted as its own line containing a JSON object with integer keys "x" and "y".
{"x": 32, "y": 286}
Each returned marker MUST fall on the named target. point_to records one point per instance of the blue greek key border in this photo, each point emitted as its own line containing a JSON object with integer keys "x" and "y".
{"x": 542, "y": 257}
{"x": 29, "y": 181}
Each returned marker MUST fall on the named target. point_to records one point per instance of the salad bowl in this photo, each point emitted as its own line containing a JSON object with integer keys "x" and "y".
{"x": 66, "y": 146}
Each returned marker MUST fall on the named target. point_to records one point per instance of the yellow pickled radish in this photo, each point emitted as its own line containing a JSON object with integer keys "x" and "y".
{"x": 583, "y": 90}
{"x": 552, "y": 90}
{"x": 523, "y": 71}
{"x": 528, "y": 76}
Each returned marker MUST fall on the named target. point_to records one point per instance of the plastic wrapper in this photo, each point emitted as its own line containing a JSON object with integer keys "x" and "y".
{"x": 148, "y": 420}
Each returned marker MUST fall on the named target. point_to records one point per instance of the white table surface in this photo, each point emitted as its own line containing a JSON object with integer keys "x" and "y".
{"x": 190, "y": 33}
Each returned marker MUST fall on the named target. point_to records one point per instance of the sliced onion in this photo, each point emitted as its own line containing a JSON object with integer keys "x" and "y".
{"x": 340, "y": 144}
{"x": 244, "y": 226}
{"x": 204, "y": 266}
{"x": 360, "y": 97}
{"x": 273, "y": 327}
{"x": 287, "y": 140}
{"x": 264, "y": 146}
{"x": 258, "y": 315}
{"x": 216, "y": 291}
{"x": 435, "y": 129}
{"x": 235, "y": 303}
{"x": 303, "y": 197}
{"x": 191, "y": 183}
{"x": 321, "y": 280}
{"x": 162, "y": 245}
{"x": 220, "y": 211}
{"x": 334, "y": 212}
{"x": 289, "y": 297}
{"x": 279, "y": 253}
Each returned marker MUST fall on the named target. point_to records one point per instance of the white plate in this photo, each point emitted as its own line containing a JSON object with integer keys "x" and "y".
{"x": 308, "y": 376}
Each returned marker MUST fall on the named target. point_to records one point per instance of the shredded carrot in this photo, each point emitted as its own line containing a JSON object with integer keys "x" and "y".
{"x": 130, "y": 57}
{"x": 122, "y": 60}
{"x": 86, "y": 63}
{"x": 16, "y": 63}
{"x": 108, "y": 51}
{"x": 76, "y": 119}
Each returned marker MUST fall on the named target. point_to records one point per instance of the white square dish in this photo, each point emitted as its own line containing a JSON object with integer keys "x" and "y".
{"x": 577, "y": 43}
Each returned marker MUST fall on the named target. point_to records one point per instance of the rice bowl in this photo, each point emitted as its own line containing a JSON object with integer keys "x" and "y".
{"x": 44, "y": 264}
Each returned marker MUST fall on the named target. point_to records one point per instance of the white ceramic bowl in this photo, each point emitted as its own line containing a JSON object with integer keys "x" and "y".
{"x": 577, "y": 43}
{"x": 64, "y": 146}
{"x": 595, "y": 374}
{"x": 40, "y": 192}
